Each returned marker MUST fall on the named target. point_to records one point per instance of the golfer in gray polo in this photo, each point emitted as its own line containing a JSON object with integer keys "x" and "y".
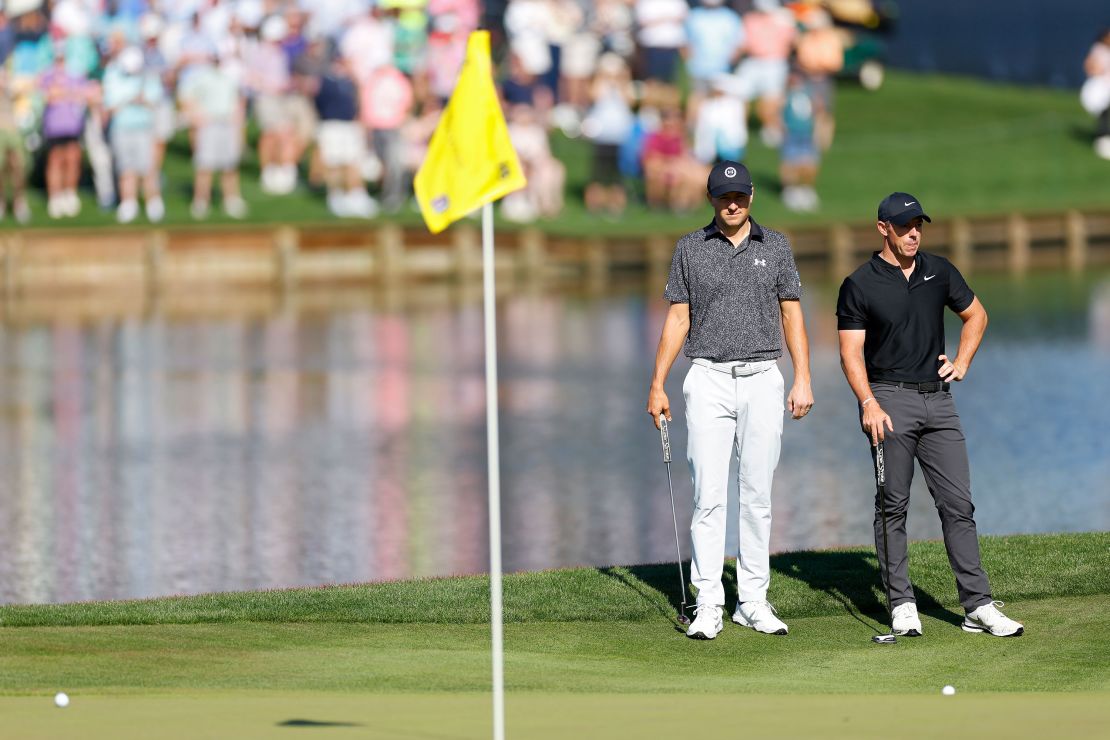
{"x": 890, "y": 316}
{"x": 735, "y": 294}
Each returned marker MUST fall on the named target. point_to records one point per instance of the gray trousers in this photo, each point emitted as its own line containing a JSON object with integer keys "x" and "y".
{"x": 927, "y": 427}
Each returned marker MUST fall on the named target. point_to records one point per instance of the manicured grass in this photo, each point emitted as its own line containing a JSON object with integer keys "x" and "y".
{"x": 590, "y": 652}
{"x": 246, "y": 715}
{"x": 965, "y": 147}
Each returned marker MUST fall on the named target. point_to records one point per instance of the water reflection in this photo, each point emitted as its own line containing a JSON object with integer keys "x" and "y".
{"x": 144, "y": 457}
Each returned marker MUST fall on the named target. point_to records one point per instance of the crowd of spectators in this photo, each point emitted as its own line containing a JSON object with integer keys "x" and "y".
{"x": 1095, "y": 93}
{"x": 343, "y": 93}
{"x": 664, "y": 88}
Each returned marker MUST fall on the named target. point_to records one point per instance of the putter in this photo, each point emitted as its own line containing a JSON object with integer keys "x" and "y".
{"x": 880, "y": 480}
{"x": 665, "y": 436}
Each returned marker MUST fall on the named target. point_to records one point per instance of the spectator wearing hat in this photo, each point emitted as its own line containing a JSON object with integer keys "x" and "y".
{"x": 216, "y": 112}
{"x": 268, "y": 77}
{"x": 151, "y": 26}
{"x": 735, "y": 297}
{"x": 131, "y": 96}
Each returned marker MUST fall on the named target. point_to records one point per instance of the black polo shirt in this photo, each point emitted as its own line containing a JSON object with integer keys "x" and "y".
{"x": 904, "y": 319}
{"x": 733, "y": 292}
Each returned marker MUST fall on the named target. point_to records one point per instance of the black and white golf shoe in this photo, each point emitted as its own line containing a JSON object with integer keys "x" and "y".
{"x": 904, "y": 620}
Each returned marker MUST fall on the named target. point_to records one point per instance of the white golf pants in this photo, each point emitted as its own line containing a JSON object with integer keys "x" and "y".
{"x": 727, "y": 415}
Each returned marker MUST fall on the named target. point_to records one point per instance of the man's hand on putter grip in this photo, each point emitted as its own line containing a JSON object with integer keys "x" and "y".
{"x": 875, "y": 422}
{"x": 657, "y": 404}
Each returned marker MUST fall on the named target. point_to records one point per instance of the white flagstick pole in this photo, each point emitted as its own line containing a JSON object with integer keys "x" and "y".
{"x": 493, "y": 456}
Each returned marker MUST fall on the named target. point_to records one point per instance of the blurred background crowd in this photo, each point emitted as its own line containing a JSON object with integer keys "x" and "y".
{"x": 342, "y": 96}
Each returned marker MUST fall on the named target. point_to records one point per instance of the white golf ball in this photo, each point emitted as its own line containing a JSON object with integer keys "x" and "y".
{"x": 948, "y": 690}
{"x": 61, "y": 699}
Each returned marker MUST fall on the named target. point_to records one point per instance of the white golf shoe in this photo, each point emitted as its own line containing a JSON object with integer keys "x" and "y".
{"x": 987, "y": 618}
{"x": 707, "y": 624}
{"x": 905, "y": 621}
{"x": 760, "y": 616}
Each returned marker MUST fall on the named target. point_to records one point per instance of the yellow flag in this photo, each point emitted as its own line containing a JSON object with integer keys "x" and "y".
{"x": 470, "y": 159}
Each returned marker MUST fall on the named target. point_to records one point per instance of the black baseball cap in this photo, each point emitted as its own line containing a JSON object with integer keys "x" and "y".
{"x": 900, "y": 209}
{"x": 729, "y": 177}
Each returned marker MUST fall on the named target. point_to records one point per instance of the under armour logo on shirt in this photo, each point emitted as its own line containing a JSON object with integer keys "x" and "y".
{"x": 762, "y": 263}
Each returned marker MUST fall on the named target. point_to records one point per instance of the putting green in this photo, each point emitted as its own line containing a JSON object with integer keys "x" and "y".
{"x": 541, "y": 716}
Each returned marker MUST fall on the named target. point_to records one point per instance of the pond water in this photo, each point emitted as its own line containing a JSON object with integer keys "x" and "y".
{"x": 151, "y": 456}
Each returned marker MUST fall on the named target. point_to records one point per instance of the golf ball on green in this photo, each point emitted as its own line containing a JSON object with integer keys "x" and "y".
{"x": 948, "y": 690}
{"x": 61, "y": 699}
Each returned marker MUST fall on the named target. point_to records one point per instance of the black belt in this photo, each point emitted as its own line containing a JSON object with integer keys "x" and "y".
{"x": 932, "y": 387}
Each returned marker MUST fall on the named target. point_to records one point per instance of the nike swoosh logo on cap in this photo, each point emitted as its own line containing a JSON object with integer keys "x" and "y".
{"x": 911, "y": 203}
{"x": 930, "y": 277}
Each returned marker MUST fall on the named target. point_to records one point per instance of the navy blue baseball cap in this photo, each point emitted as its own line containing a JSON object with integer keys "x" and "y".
{"x": 729, "y": 177}
{"x": 900, "y": 209}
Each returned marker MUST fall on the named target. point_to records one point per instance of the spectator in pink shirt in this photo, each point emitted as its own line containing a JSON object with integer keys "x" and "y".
{"x": 769, "y": 30}
{"x": 385, "y": 103}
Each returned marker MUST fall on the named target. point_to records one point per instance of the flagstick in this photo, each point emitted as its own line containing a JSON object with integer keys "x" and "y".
{"x": 493, "y": 456}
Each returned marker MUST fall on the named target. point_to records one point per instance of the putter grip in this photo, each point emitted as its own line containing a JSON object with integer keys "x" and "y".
{"x": 665, "y": 437}
{"x": 880, "y": 465}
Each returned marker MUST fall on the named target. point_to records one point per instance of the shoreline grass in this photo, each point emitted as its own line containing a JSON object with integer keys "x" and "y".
{"x": 804, "y": 584}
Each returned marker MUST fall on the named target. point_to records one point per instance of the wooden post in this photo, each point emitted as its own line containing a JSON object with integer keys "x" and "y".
{"x": 286, "y": 245}
{"x": 533, "y": 247}
{"x": 467, "y": 252}
{"x": 389, "y": 261}
{"x": 962, "y": 248}
{"x": 597, "y": 263}
{"x": 659, "y": 250}
{"x": 11, "y": 266}
{"x": 1075, "y": 230}
{"x": 154, "y": 265}
{"x": 1017, "y": 238}
{"x": 840, "y": 246}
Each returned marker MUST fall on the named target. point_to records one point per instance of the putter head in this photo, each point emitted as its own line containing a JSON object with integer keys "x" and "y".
{"x": 884, "y": 639}
{"x": 683, "y": 619}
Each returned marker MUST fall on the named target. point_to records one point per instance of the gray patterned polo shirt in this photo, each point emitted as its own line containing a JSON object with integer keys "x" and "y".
{"x": 733, "y": 292}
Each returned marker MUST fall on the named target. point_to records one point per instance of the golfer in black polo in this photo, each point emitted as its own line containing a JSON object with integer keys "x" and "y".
{"x": 735, "y": 295}
{"x": 890, "y": 316}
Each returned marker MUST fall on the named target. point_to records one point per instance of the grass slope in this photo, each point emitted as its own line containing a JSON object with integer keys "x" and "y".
{"x": 826, "y": 583}
{"x": 590, "y": 652}
{"x": 965, "y": 146}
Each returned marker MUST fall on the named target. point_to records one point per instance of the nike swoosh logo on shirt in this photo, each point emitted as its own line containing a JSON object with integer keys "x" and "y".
{"x": 911, "y": 203}
{"x": 930, "y": 277}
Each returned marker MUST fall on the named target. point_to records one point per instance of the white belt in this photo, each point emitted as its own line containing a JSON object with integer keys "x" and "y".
{"x": 736, "y": 369}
